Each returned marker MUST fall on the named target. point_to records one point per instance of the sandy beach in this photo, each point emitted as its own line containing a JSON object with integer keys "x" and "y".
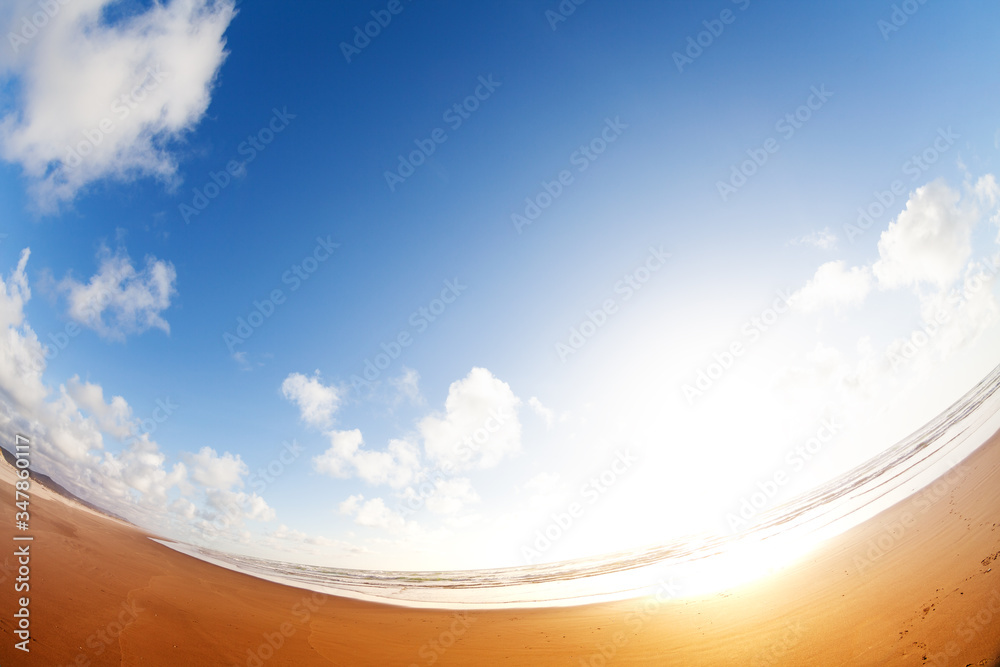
{"x": 918, "y": 584}
{"x": 486, "y": 334}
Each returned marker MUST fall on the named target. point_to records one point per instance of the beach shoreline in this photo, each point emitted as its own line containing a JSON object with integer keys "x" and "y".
{"x": 916, "y": 584}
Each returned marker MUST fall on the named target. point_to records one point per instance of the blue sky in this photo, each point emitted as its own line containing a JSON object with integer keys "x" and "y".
{"x": 214, "y": 79}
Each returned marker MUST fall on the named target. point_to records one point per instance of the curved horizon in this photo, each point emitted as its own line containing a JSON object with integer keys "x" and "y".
{"x": 890, "y": 475}
{"x": 550, "y": 304}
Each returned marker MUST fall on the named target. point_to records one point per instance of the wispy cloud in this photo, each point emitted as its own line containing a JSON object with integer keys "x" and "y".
{"x": 824, "y": 239}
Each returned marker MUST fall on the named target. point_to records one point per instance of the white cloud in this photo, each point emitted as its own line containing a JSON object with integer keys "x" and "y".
{"x": 283, "y": 532}
{"x": 956, "y": 319}
{"x": 823, "y": 239}
{"x": 317, "y": 402}
{"x": 544, "y": 491}
{"x": 214, "y": 471}
{"x": 544, "y": 483}
{"x": 184, "y": 508}
{"x": 296, "y": 543}
{"x": 232, "y": 508}
{"x": 407, "y": 385}
{"x": 132, "y": 300}
{"x": 480, "y": 425}
{"x": 833, "y": 285}
{"x": 256, "y": 507}
{"x": 113, "y": 418}
{"x": 542, "y": 411}
{"x": 371, "y": 513}
{"x": 68, "y": 444}
{"x": 336, "y": 461}
{"x": 397, "y": 466}
{"x": 450, "y": 496}
{"x": 241, "y": 359}
{"x": 99, "y": 99}
{"x": 287, "y": 534}
{"x": 15, "y": 293}
{"x": 68, "y": 428}
{"x": 351, "y": 505}
{"x": 988, "y": 192}
{"x": 140, "y": 466}
{"x": 929, "y": 242}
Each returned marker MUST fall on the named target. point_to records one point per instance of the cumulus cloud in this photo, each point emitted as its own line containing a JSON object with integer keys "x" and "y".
{"x": 450, "y": 496}
{"x": 371, "y": 513}
{"x": 929, "y": 242}
{"x": 479, "y": 427}
{"x": 928, "y": 248}
{"x": 229, "y": 510}
{"x": 21, "y": 355}
{"x": 118, "y": 300}
{"x": 346, "y": 456}
{"x": 15, "y": 293}
{"x": 190, "y": 499}
{"x": 99, "y": 98}
{"x": 184, "y": 508}
{"x": 833, "y": 285}
{"x": 987, "y": 191}
{"x": 68, "y": 425}
{"x": 955, "y": 319}
{"x": 113, "y": 418}
{"x": 397, "y": 466}
{"x": 336, "y": 461}
{"x": 539, "y": 409}
{"x": 317, "y": 402}
{"x": 214, "y": 471}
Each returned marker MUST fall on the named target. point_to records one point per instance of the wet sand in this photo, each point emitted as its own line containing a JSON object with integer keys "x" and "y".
{"x": 919, "y": 584}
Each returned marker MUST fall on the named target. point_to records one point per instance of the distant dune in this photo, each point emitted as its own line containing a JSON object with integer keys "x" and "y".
{"x": 53, "y": 485}
{"x": 919, "y": 584}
